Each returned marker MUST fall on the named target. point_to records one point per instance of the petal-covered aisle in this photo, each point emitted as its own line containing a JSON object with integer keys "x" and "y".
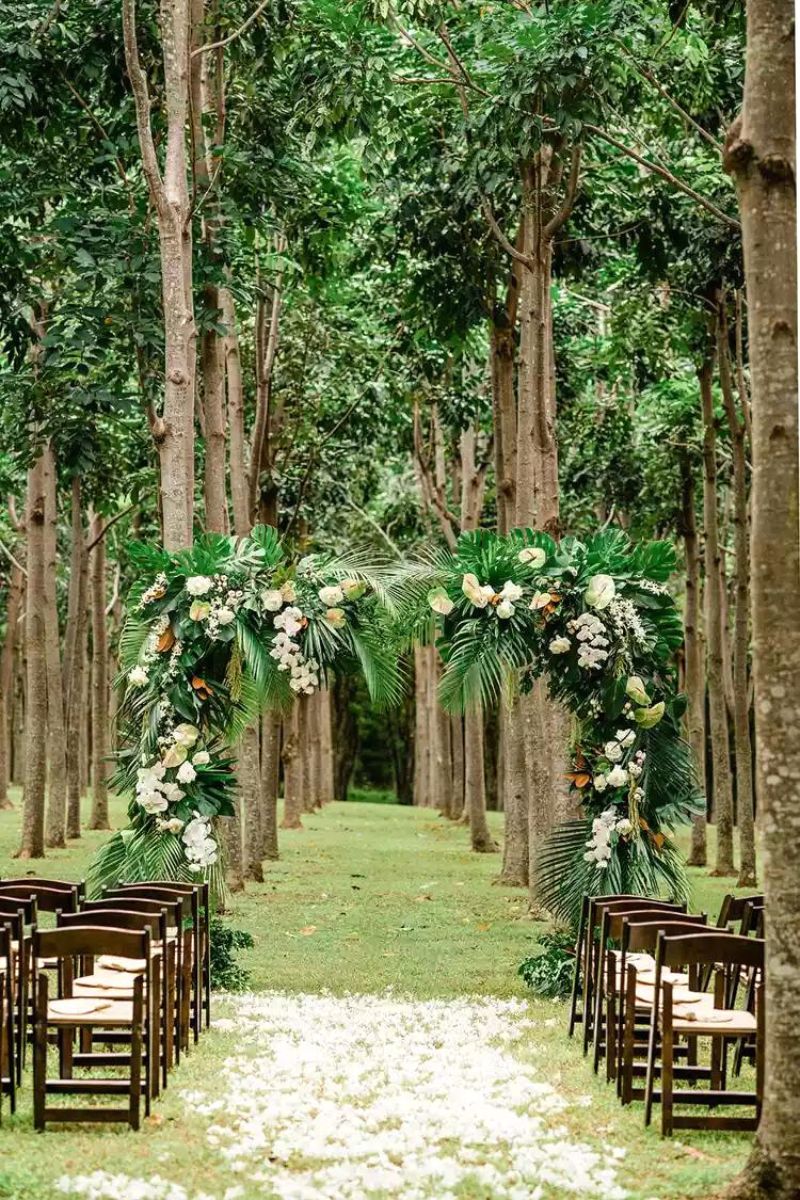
{"x": 362, "y": 1097}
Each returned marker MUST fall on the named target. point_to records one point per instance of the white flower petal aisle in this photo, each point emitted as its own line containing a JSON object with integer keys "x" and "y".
{"x": 355, "y": 1098}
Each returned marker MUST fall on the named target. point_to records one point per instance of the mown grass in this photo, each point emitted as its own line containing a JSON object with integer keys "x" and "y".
{"x": 367, "y": 897}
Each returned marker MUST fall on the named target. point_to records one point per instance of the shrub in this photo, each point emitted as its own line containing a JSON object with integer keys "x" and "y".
{"x": 227, "y": 975}
{"x": 550, "y": 972}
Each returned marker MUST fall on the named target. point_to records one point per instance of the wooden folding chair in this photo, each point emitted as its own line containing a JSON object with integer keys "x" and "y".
{"x": 117, "y": 983}
{"x": 68, "y": 1016}
{"x": 9, "y": 1049}
{"x": 20, "y": 914}
{"x": 576, "y": 1013}
{"x": 708, "y": 1019}
{"x": 199, "y": 896}
{"x": 177, "y": 961}
{"x": 597, "y": 906}
{"x": 52, "y": 895}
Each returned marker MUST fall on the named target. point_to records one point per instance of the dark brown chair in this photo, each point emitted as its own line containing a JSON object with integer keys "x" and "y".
{"x": 118, "y": 985}
{"x": 68, "y": 1016}
{"x": 20, "y": 914}
{"x": 9, "y": 1048}
{"x": 597, "y": 906}
{"x": 576, "y": 1012}
{"x": 710, "y": 1020}
{"x": 199, "y": 896}
{"x": 51, "y": 895}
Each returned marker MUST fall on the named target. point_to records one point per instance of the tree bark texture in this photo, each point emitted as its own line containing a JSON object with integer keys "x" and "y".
{"x": 56, "y": 818}
{"x": 32, "y": 842}
{"x": 270, "y": 780}
{"x": 100, "y": 713}
{"x": 14, "y": 606}
{"x": 75, "y": 661}
{"x": 693, "y": 649}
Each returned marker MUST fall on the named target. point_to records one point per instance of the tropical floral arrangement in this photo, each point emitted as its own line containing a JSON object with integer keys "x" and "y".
{"x": 596, "y": 620}
{"x": 215, "y": 634}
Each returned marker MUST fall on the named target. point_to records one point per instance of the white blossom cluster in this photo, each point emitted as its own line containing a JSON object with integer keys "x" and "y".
{"x": 221, "y": 606}
{"x": 614, "y": 751}
{"x": 598, "y": 850}
{"x": 303, "y": 672}
{"x": 200, "y": 846}
{"x": 624, "y": 620}
{"x": 156, "y": 590}
{"x": 590, "y": 633}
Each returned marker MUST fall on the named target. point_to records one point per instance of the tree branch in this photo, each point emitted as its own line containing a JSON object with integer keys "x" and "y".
{"x": 141, "y": 97}
{"x": 111, "y": 521}
{"x": 651, "y": 79}
{"x": 491, "y": 220}
{"x": 665, "y": 174}
{"x": 561, "y": 217}
{"x": 11, "y": 558}
{"x": 226, "y": 41}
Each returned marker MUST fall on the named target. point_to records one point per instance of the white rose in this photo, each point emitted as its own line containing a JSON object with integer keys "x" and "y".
{"x": 511, "y": 591}
{"x": 201, "y": 758}
{"x": 560, "y": 645}
{"x": 600, "y": 783}
{"x": 225, "y": 616}
{"x": 613, "y": 751}
{"x": 186, "y": 773}
{"x": 504, "y": 610}
{"x": 533, "y": 556}
{"x": 272, "y": 600}
{"x": 617, "y": 777}
{"x": 474, "y": 592}
{"x": 625, "y": 737}
{"x": 600, "y": 591}
{"x": 440, "y": 602}
{"x": 198, "y": 585}
{"x": 331, "y": 596}
{"x": 138, "y": 676}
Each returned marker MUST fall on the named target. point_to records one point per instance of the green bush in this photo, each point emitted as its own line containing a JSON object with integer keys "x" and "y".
{"x": 550, "y": 972}
{"x": 227, "y": 975}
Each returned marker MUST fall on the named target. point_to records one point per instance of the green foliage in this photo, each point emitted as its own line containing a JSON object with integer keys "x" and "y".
{"x": 550, "y": 972}
{"x": 227, "y": 974}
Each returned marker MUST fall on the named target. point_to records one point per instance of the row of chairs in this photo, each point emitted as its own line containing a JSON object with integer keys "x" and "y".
{"x": 121, "y": 982}
{"x": 655, "y": 987}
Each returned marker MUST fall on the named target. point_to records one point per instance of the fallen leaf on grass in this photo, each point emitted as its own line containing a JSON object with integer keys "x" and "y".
{"x": 483, "y": 926}
{"x": 307, "y": 930}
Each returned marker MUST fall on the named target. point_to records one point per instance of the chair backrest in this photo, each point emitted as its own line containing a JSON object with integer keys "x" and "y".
{"x": 90, "y": 941}
{"x": 165, "y": 896}
{"x": 50, "y": 895}
{"x": 12, "y": 906}
{"x": 703, "y": 949}
{"x": 752, "y": 915}
{"x": 617, "y": 922}
{"x": 611, "y": 907}
{"x": 733, "y": 908}
{"x": 116, "y": 918}
{"x": 174, "y": 906}
{"x": 640, "y": 934}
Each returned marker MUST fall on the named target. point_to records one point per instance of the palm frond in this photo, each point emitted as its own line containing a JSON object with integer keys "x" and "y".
{"x": 383, "y": 667}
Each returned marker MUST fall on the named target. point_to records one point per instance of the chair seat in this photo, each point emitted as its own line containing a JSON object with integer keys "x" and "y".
{"x": 681, "y": 995}
{"x": 113, "y": 1012}
{"x": 115, "y": 962}
{"x": 707, "y": 1020}
{"x": 105, "y": 982}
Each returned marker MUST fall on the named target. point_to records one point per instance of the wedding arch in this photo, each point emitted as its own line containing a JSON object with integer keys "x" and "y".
{"x": 218, "y": 632}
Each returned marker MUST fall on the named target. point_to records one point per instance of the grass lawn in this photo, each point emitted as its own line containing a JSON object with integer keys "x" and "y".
{"x": 366, "y": 897}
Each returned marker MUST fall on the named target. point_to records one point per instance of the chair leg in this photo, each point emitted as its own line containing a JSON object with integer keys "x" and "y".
{"x": 40, "y": 1055}
{"x": 651, "y": 1069}
{"x": 760, "y": 1047}
{"x": 136, "y": 1076}
{"x": 576, "y": 979}
{"x": 667, "y": 1048}
{"x": 611, "y": 1037}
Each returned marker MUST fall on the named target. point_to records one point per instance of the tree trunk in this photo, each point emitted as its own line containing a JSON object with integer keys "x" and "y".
{"x": 270, "y": 778}
{"x": 74, "y": 662}
{"x": 293, "y": 771}
{"x": 250, "y": 799}
{"x": 422, "y": 741}
{"x": 718, "y": 711}
{"x": 457, "y": 788}
{"x": 100, "y": 730}
{"x": 474, "y": 783}
{"x": 694, "y": 657}
{"x": 326, "y": 786}
{"x": 345, "y": 735}
{"x": 745, "y": 804}
{"x": 216, "y": 500}
{"x": 32, "y": 843}
{"x": 13, "y": 614}
{"x": 55, "y": 830}
{"x": 761, "y": 154}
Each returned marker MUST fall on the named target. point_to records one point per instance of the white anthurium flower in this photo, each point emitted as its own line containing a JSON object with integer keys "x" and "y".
{"x": 600, "y": 591}
{"x": 176, "y": 755}
{"x": 199, "y": 610}
{"x": 613, "y": 751}
{"x": 186, "y": 773}
{"x": 560, "y": 645}
{"x": 225, "y": 616}
{"x": 533, "y": 556}
{"x": 540, "y": 600}
{"x": 354, "y": 589}
{"x": 600, "y": 783}
{"x": 331, "y": 596}
{"x": 138, "y": 676}
{"x": 636, "y": 690}
{"x": 198, "y": 585}
{"x": 488, "y": 592}
{"x": 185, "y": 734}
{"x": 474, "y": 592}
{"x": 152, "y": 802}
{"x": 617, "y": 776}
{"x": 648, "y": 717}
{"x": 336, "y": 617}
{"x": 201, "y": 758}
{"x": 440, "y": 602}
{"x": 289, "y": 592}
{"x": 626, "y": 737}
{"x": 504, "y": 610}
{"x": 511, "y": 591}
{"x": 272, "y": 600}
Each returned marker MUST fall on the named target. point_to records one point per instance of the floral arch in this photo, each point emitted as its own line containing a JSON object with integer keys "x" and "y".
{"x": 596, "y": 620}
{"x": 219, "y": 632}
